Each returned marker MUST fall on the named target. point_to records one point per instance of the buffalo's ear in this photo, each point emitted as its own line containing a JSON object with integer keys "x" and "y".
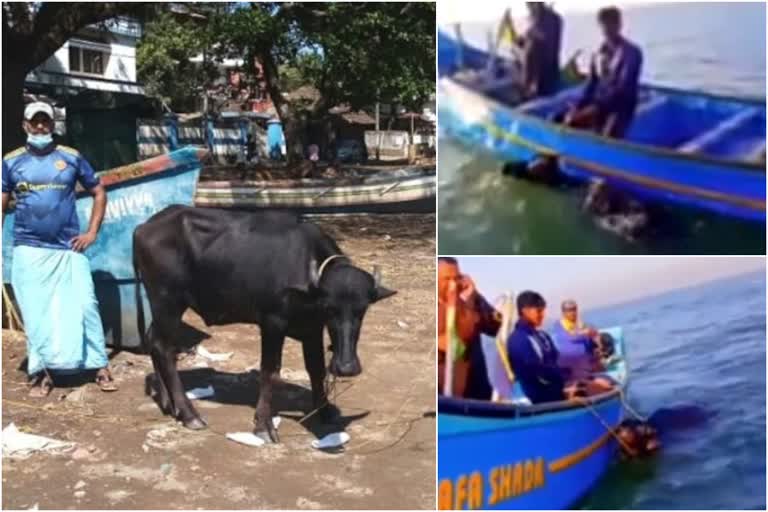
{"x": 381, "y": 293}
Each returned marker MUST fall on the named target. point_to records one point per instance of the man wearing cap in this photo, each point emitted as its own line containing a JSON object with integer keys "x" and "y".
{"x": 50, "y": 275}
{"x": 532, "y": 353}
{"x": 579, "y": 346}
{"x": 571, "y": 329}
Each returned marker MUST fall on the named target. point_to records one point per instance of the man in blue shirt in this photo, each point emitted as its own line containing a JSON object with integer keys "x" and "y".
{"x": 50, "y": 275}
{"x": 608, "y": 103}
{"x": 532, "y": 353}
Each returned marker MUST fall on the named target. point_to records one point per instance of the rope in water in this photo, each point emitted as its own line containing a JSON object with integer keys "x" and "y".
{"x": 605, "y": 424}
{"x": 629, "y": 408}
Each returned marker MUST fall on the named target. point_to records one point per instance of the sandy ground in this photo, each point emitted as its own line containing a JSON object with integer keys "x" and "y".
{"x": 129, "y": 456}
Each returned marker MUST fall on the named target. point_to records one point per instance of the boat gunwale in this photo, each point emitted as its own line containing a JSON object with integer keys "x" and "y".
{"x": 658, "y": 151}
{"x": 715, "y": 96}
{"x": 487, "y": 409}
{"x": 200, "y": 153}
{"x": 313, "y": 185}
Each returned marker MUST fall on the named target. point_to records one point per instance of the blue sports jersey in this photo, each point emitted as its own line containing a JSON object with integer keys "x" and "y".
{"x": 43, "y": 183}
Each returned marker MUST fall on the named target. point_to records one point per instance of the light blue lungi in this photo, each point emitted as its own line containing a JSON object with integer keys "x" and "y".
{"x": 55, "y": 292}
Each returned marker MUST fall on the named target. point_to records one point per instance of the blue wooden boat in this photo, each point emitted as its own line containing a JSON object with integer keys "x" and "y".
{"x": 521, "y": 456}
{"x": 453, "y": 56}
{"x": 684, "y": 147}
{"x": 135, "y": 193}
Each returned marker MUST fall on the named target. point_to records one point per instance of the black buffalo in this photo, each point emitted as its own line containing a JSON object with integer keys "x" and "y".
{"x": 266, "y": 268}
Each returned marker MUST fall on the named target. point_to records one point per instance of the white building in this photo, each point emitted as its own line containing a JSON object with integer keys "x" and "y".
{"x": 95, "y": 59}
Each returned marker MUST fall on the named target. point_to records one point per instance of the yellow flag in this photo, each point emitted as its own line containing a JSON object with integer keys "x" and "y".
{"x": 508, "y": 31}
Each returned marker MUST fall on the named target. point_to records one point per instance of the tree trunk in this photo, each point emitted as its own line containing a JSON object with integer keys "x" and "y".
{"x": 293, "y": 125}
{"x": 29, "y": 41}
{"x": 13, "y": 104}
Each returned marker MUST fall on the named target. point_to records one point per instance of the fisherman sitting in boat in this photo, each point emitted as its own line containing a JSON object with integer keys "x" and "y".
{"x": 609, "y": 100}
{"x": 581, "y": 351}
{"x": 474, "y": 315}
{"x": 540, "y": 47}
{"x": 532, "y": 353}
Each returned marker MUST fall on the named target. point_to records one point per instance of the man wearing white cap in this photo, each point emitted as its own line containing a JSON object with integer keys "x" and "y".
{"x": 51, "y": 276}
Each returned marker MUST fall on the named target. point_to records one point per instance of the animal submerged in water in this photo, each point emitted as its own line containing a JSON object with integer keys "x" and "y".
{"x": 638, "y": 439}
{"x": 616, "y": 211}
{"x": 611, "y": 209}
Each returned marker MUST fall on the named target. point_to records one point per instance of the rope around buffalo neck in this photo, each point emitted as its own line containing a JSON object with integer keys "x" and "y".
{"x": 326, "y": 262}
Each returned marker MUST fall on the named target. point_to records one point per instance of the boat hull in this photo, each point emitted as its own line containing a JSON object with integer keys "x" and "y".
{"x": 729, "y": 188}
{"x": 409, "y": 194}
{"x": 490, "y": 459}
{"x": 135, "y": 193}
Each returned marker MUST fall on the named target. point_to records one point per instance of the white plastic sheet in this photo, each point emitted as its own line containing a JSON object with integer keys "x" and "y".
{"x": 20, "y": 445}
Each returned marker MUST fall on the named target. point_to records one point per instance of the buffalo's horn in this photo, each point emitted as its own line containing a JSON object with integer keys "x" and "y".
{"x": 376, "y": 275}
{"x": 314, "y": 276}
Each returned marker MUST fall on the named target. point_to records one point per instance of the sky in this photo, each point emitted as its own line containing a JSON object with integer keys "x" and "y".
{"x": 595, "y": 281}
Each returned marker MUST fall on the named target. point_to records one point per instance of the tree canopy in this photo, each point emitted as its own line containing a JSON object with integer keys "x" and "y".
{"x": 353, "y": 53}
{"x": 33, "y": 31}
{"x": 164, "y": 61}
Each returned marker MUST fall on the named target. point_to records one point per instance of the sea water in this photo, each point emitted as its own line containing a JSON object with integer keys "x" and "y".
{"x": 703, "y": 347}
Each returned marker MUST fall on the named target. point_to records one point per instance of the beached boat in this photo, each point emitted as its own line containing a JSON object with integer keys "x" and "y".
{"x": 521, "y": 456}
{"x": 410, "y": 190}
{"x": 135, "y": 192}
{"x": 684, "y": 147}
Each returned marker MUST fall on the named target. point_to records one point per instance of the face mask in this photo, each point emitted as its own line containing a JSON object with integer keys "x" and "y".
{"x": 39, "y": 140}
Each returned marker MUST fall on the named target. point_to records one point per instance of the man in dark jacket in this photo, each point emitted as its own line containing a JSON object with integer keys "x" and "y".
{"x": 474, "y": 316}
{"x": 532, "y": 353}
{"x": 541, "y": 50}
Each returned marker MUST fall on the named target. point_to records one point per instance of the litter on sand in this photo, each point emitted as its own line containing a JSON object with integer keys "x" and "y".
{"x": 334, "y": 440}
{"x": 198, "y": 393}
{"x": 249, "y": 438}
{"x": 20, "y": 445}
{"x": 203, "y": 352}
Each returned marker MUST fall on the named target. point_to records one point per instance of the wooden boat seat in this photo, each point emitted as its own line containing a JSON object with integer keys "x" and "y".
{"x": 548, "y": 103}
{"x": 719, "y": 131}
{"x": 652, "y": 104}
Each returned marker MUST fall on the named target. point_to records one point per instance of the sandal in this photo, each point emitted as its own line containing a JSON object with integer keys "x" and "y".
{"x": 41, "y": 386}
{"x": 105, "y": 381}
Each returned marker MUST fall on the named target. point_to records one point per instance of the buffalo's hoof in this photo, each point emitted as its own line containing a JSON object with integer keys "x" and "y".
{"x": 267, "y": 427}
{"x": 195, "y": 423}
{"x": 165, "y": 406}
